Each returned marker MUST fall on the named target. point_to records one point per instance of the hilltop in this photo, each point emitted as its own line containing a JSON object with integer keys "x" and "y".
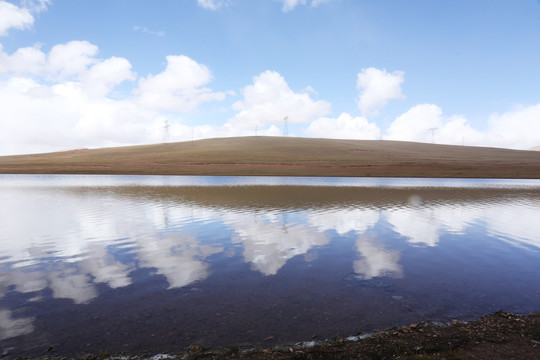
{"x": 284, "y": 156}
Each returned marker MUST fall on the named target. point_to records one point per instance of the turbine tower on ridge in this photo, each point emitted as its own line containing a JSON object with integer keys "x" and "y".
{"x": 166, "y": 131}
{"x": 433, "y": 129}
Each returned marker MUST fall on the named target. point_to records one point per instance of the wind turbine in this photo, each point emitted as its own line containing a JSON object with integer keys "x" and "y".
{"x": 166, "y": 131}
{"x": 433, "y": 129}
{"x": 286, "y": 126}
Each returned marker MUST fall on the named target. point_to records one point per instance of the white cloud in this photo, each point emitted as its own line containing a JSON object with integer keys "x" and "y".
{"x": 148, "y": 31}
{"x": 212, "y": 4}
{"x": 27, "y": 60}
{"x": 316, "y": 3}
{"x": 426, "y": 123}
{"x": 344, "y": 127}
{"x": 101, "y": 78}
{"x": 518, "y": 128}
{"x": 269, "y": 100}
{"x": 63, "y": 99}
{"x": 68, "y": 107}
{"x": 289, "y": 5}
{"x": 71, "y": 58}
{"x": 180, "y": 87}
{"x": 182, "y": 132}
{"x": 14, "y": 17}
{"x": 376, "y": 88}
{"x": 36, "y": 5}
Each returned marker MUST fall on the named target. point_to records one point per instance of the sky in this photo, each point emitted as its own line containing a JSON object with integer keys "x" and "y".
{"x": 94, "y": 73}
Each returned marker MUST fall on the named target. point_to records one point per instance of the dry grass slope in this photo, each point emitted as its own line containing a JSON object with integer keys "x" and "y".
{"x": 280, "y": 156}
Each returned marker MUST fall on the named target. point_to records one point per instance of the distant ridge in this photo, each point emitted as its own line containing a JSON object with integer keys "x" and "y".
{"x": 285, "y": 156}
{"x": 536, "y": 148}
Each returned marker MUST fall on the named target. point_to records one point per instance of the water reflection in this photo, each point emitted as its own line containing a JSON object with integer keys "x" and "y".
{"x": 376, "y": 260}
{"x": 12, "y": 327}
{"x": 78, "y": 228}
{"x": 180, "y": 259}
{"x": 270, "y": 241}
{"x": 345, "y": 220}
{"x": 73, "y": 242}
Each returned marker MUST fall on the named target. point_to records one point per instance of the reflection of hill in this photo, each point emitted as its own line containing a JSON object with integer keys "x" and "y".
{"x": 315, "y": 197}
{"x": 417, "y": 213}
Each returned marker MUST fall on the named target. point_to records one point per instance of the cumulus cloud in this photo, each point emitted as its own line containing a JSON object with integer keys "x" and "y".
{"x": 20, "y": 18}
{"x": 64, "y": 99}
{"x": 14, "y": 17}
{"x": 426, "y": 123}
{"x": 37, "y": 118}
{"x": 101, "y": 78}
{"x": 71, "y": 58}
{"x": 289, "y": 5}
{"x": 182, "y": 132}
{"x": 212, "y": 4}
{"x": 516, "y": 129}
{"x": 180, "y": 87}
{"x": 269, "y": 100}
{"x": 344, "y": 127}
{"x": 316, "y": 3}
{"x": 36, "y": 6}
{"x": 27, "y": 60}
{"x": 146, "y": 30}
{"x": 60, "y": 100}
{"x": 376, "y": 88}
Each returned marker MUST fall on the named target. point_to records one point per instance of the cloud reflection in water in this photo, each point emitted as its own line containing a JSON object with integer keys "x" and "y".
{"x": 71, "y": 240}
{"x": 11, "y": 327}
{"x": 376, "y": 261}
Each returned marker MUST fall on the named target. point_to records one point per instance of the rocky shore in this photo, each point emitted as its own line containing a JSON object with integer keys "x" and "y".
{"x": 500, "y": 335}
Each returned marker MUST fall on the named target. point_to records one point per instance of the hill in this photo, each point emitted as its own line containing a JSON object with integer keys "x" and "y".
{"x": 282, "y": 156}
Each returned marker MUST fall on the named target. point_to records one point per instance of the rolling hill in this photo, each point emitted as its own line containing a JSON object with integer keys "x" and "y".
{"x": 284, "y": 156}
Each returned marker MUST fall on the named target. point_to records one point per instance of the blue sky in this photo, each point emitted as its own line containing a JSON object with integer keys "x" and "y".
{"x": 92, "y": 73}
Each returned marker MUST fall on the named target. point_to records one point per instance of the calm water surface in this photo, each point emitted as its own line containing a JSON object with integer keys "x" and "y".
{"x": 154, "y": 264}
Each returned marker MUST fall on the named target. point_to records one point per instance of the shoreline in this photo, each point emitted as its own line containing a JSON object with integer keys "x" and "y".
{"x": 500, "y": 335}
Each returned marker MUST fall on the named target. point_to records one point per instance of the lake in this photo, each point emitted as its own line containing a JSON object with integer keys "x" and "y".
{"x": 152, "y": 264}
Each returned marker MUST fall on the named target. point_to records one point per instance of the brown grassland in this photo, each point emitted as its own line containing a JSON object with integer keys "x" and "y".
{"x": 284, "y": 156}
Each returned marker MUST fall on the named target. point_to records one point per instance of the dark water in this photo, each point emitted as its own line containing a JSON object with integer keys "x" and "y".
{"x": 154, "y": 264}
